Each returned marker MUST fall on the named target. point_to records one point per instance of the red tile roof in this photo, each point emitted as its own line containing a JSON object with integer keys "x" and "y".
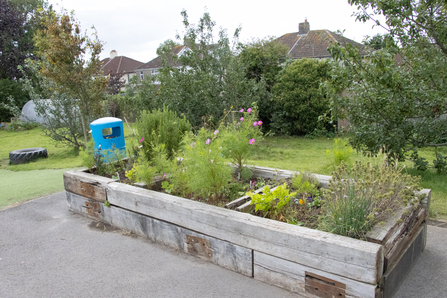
{"x": 119, "y": 64}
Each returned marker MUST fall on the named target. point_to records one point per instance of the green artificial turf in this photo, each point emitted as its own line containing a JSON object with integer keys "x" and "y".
{"x": 17, "y": 187}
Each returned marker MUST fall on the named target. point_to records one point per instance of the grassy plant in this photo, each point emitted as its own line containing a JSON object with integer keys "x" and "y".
{"x": 341, "y": 151}
{"x": 161, "y": 127}
{"x": 358, "y": 199}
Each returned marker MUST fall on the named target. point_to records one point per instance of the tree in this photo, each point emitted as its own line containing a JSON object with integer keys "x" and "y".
{"x": 70, "y": 59}
{"x": 17, "y": 25}
{"x": 380, "y": 41}
{"x": 264, "y": 60}
{"x": 207, "y": 78}
{"x": 395, "y": 98}
{"x": 298, "y": 99}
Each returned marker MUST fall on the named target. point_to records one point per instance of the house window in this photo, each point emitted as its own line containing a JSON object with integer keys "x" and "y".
{"x": 141, "y": 76}
{"x": 154, "y": 72}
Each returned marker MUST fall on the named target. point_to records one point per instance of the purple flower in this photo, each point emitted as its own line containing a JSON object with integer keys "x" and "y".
{"x": 345, "y": 196}
{"x": 241, "y": 110}
{"x": 208, "y": 141}
{"x": 193, "y": 145}
{"x": 238, "y": 123}
{"x": 259, "y": 123}
{"x": 216, "y": 132}
{"x": 340, "y": 218}
{"x": 377, "y": 213}
{"x": 310, "y": 199}
{"x": 255, "y": 123}
{"x": 242, "y": 119}
{"x": 249, "y": 110}
{"x": 251, "y": 141}
{"x": 141, "y": 140}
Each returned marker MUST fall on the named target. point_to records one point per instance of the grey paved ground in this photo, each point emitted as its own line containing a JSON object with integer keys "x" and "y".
{"x": 47, "y": 251}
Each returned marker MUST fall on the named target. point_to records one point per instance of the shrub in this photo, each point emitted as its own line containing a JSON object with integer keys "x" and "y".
{"x": 298, "y": 100}
{"x": 241, "y": 135}
{"x": 205, "y": 165}
{"x": 341, "y": 151}
{"x": 161, "y": 127}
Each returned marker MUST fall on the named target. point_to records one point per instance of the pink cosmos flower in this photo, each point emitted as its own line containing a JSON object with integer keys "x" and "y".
{"x": 249, "y": 110}
{"x": 208, "y": 141}
{"x": 216, "y": 132}
{"x": 259, "y": 123}
{"x": 242, "y": 119}
{"x": 251, "y": 141}
{"x": 238, "y": 123}
{"x": 241, "y": 110}
{"x": 255, "y": 123}
{"x": 141, "y": 140}
{"x": 164, "y": 175}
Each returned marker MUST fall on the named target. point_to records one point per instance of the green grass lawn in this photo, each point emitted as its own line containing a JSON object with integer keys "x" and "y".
{"x": 44, "y": 176}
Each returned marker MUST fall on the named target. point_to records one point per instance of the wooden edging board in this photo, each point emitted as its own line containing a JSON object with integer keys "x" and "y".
{"x": 359, "y": 263}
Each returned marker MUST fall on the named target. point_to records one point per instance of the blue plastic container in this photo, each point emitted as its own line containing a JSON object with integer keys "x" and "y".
{"x": 108, "y": 134}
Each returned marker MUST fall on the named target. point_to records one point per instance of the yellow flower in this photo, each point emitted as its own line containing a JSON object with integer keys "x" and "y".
{"x": 301, "y": 201}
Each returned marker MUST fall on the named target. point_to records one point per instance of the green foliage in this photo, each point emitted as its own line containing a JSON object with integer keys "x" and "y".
{"x": 440, "y": 163}
{"x": 70, "y": 60}
{"x": 271, "y": 201}
{"x": 246, "y": 174}
{"x": 380, "y": 41}
{"x": 206, "y": 78}
{"x": 396, "y": 96}
{"x": 298, "y": 100}
{"x": 161, "y": 127}
{"x": 349, "y": 213}
{"x": 341, "y": 151}
{"x": 205, "y": 164}
{"x": 9, "y": 87}
{"x": 95, "y": 160}
{"x": 241, "y": 135}
{"x": 366, "y": 195}
{"x": 264, "y": 61}
{"x": 305, "y": 184}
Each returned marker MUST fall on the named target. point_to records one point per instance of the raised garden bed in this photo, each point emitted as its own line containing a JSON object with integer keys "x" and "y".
{"x": 309, "y": 262}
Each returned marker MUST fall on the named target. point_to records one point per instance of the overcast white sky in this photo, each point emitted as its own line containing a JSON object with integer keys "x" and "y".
{"x": 135, "y": 28}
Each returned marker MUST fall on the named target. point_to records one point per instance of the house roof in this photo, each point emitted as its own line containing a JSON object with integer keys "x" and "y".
{"x": 314, "y": 44}
{"x": 119, "y": 64}
{"x": 156, "y": 62}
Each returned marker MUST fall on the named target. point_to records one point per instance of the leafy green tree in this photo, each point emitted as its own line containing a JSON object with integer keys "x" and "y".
{"x": 207, "y": 77}
{"x": 396, "y": 97}
{"x": 264, "y": 60}
{"x": 70, "y": 60}
{"x": 379, "y": 41}
{"x": 298, "y": 99}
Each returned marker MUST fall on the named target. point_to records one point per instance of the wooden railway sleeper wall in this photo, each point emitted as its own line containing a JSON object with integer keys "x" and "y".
{"x": 268, "y": 251}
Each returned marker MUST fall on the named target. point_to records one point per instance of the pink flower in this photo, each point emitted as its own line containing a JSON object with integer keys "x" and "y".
{"x": 141, "y": 140}
{"x": 238, "y": 123}
{"x": 249, "y": 110}
{"x": 208, "y": 141}
{"x": 141, "y": 146}
{"x": 259, "y": 123}
{"x": 255, "y": 123}
{"x": 242, "y": 119}
{"x": 216, "y": 132}
{"x": 241, "y": 110}
{"x": 164, "y": 175}
{"x": 251, "y": 141}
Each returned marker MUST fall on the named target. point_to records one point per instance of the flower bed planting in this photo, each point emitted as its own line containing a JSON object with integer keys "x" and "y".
{"x": 270, "y": 241}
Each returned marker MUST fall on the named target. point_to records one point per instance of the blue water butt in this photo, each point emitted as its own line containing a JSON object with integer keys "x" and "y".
{"x": 108, "y": 134}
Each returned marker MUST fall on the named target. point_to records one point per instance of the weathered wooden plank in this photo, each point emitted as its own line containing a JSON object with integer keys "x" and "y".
{"x": 397, "y": 273}
{"x": 292, "y": 276}
{"x": 345, "y": 256}
{"x": 86, "y": 184}
{"x": 403, "y": 241}
{"x": 85, "y": 206}
{"x": 224, "y": 254}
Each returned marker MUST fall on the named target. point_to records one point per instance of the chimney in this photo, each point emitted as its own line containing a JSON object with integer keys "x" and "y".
{"x": 112, "y": 54}
{"x": 304, "y": 28}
